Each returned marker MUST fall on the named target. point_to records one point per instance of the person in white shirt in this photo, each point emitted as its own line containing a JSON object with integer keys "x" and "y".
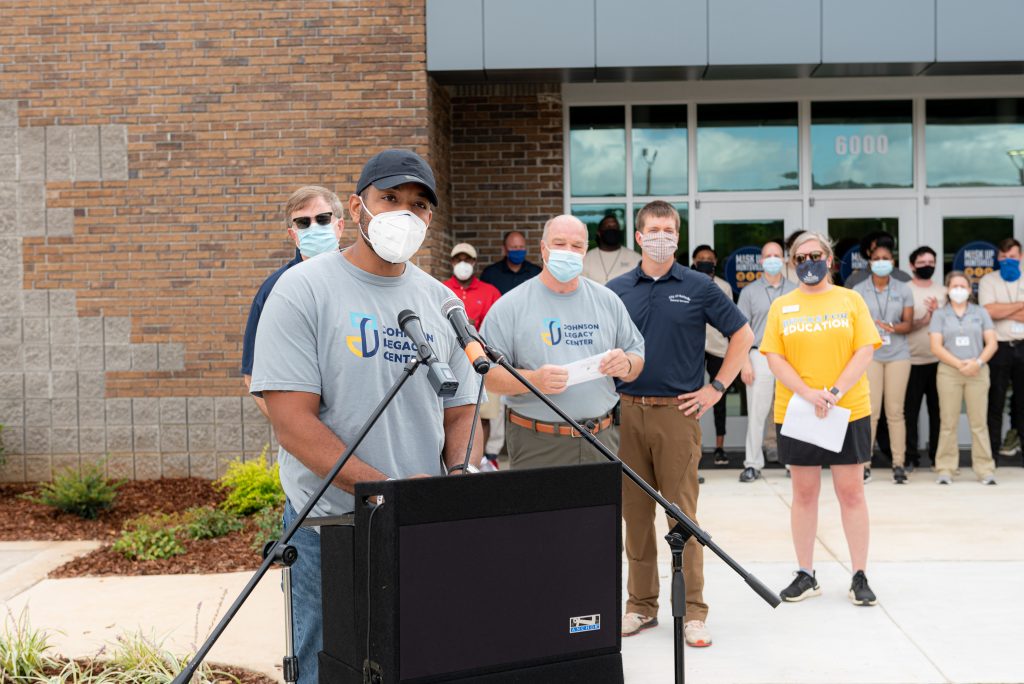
{"x": 928, "y": 296}
{"x": 609, "y": 259}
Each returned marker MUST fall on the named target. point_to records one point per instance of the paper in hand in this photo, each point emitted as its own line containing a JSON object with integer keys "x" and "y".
{"x": 801, "y": 423}
{"x": 585, "y": 370}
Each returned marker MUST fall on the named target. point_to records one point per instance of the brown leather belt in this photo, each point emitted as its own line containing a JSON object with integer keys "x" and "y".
{"x": 650, "y": 401}
{"x": 558, "y": 428}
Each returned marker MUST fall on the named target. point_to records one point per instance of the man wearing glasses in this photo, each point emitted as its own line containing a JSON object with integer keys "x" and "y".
{"x": 313, "y": 216}
{"x": 661, "y": 408}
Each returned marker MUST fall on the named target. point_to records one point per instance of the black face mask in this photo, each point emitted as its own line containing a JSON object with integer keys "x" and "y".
{"x": 925, "y": 272}
{"x": 705, "y": 267}
{"x": 611, "y": 237}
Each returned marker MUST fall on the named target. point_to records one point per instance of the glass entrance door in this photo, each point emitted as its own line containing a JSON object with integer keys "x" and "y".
{"x": 847, "y": 222}
{"x": 953, "y": 224}
{"x": 739, "y": 229}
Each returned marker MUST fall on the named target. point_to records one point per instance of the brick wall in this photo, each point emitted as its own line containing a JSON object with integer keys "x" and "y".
{"x": 146, "y": 151}
{"x": 507, "y": 163}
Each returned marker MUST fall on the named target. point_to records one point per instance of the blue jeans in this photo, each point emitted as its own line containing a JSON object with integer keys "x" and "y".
{"x": 307, "y": 603}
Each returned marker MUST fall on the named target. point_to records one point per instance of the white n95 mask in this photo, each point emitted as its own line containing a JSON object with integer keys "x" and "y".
{"x": 394, "y": 235}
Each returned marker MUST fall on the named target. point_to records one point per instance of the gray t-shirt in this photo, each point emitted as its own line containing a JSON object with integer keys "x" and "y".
{"x": 330, "y": 328}
{"x": 962, "y": 337}
{"x": 755, "y": 300}
{"x": 888, "y": 306}
{"x": 533, "y": 326}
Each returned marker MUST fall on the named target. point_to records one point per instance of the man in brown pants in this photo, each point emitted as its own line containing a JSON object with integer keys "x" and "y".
{"x": 660, "y": 432}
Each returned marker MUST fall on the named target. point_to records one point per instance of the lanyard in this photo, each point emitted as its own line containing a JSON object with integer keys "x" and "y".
{"x": 768, "y": 291}
{"x": 878, "y": 302}
{"x": 1009, "y": 297}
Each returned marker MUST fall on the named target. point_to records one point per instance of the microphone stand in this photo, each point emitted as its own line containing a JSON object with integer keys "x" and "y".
{"x": 285, "y": 554}
{"x": 683, "y": 530}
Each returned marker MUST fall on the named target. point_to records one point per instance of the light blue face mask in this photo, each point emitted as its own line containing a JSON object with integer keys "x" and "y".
{"x": 317, "y": 240}
{"x": 564, "y": 265}
{"x": 881, "y": 268}
{"x": 772, "y": 265}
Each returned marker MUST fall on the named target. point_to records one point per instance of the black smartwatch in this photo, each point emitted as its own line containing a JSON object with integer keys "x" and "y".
{"x": 718, "y": 386}
{"x": 835, "y": 392}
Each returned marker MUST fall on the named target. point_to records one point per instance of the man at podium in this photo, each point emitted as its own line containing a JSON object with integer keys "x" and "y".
{"x": 328, "y": 348}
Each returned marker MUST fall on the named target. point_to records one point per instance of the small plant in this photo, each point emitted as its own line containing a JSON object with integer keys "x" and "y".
{"x": 23, "y": 650}
{"x": 268, "y": 526}
{"x": 146, "y": 661}
{"x": 206, "y": 522}
{"x": 150, "y": 537}
{"x": 84, "y": 493}
{"x": 251, "y": 486}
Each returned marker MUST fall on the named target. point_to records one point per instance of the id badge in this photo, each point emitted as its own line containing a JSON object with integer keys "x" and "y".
{"x": 1017, "y": 328}
{"x": 963, "y": 341}
{"x": 886, "y": 339}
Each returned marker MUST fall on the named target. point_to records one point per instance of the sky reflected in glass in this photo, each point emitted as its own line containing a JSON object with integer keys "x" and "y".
{"x": 659, "y": 150}
{"x": 597, "y": 151}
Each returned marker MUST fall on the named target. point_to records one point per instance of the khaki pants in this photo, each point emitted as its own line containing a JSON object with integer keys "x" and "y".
{"x": 888, "y": 381}
{"x": 530, "y": 449}
{"x": 953, "y": 388}
{"x": 663, "y": 447}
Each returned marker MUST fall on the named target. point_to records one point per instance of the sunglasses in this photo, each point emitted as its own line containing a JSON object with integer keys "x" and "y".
{"x": 303, "y": 222}
{"x": 813, "y": 256}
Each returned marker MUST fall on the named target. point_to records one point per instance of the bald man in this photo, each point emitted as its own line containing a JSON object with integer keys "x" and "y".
{"x": 546, "y": 323}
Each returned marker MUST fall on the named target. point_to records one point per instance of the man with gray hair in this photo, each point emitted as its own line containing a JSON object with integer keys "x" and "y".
{"x": 543, "y": 325}
{"x": 314, "y": 218}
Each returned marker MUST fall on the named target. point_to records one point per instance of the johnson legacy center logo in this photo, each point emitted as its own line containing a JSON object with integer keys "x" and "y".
{"x": 371, "y": 338}
{"x": 554, "y": 333}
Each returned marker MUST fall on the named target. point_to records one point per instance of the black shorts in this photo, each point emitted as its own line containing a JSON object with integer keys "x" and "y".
{"x": 856, "y": 447}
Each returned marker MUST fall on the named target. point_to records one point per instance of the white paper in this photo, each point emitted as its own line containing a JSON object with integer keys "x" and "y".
{"x": 828, "y": 432}
{"x": 584, "y": 370}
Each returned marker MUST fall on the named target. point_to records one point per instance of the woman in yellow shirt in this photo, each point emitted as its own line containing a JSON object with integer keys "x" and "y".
{"x": 819, "y": 340}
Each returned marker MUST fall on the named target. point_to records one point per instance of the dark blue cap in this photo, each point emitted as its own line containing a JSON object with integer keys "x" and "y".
{"x": 391, "y": 168}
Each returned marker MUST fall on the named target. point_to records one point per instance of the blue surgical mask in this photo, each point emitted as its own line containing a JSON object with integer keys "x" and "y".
{"x": 564, "y": 265}
{"x": 881, "y": 268}
{"x": 772, "y": 265}
{"x": 1009, "y": 269}
{"x": 517, "y": 256}
{"x": 317, "y": 240}
{"x": 812, "y": 272}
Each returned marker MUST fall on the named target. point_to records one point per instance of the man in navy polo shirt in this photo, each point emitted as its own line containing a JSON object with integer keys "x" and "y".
{"x": 660, "y": 433}
{"x": 514, "y": 269}
{"x": 314, "y": 219}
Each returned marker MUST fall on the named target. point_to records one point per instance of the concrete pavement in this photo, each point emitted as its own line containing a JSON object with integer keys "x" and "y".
{"x": 945, "y": 562}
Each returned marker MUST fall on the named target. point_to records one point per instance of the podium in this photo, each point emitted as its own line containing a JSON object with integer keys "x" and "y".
{"x": 492, "y": 578}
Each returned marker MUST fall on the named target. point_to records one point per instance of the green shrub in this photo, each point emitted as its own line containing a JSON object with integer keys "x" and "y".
{"x": 150, "y": 537}
{"x": 206, "y": 522}
{"x": 251, "y": 486}
{"x": 268, "y": 526}
{"x": 142, "y": 660}
{"x": 23, "y": 650}
{"x": 84, "y": 493}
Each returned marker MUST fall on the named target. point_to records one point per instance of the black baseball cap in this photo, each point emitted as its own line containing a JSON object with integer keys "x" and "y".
{"x": 391, "y": 168}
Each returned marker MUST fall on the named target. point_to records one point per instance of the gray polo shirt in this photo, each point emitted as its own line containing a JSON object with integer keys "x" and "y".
{"x": 329, "y": 328}
{"x": 533, "y": 326}
{"x": 755, "y": 300}
{"x": 962, "y": 337}
{"x": 888, "y": 306}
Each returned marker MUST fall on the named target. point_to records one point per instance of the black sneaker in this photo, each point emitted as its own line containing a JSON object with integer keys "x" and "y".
{"x": 860, "y": 592}
{"x": 803, "y": 586}
{"x": 720, "y": 457}
{"x": 867, "y": 474}
{"x": 899, "y": 475}
{"x": 749, "y": 474}
{"x": 700, "y": 479}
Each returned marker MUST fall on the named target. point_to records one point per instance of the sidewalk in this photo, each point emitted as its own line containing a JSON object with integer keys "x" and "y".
{"x": 946, "y": 563}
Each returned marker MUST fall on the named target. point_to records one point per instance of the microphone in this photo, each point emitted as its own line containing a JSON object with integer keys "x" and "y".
{"x": 441, "y": 378}
{"x": 455, "y": 311}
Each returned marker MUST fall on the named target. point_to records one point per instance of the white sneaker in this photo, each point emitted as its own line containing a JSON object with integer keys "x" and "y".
{"x": 696, "y": 634}
{"x": 944, "y": 479}
{"x": 988, "y": 480}
{"x": 634, "y": 623}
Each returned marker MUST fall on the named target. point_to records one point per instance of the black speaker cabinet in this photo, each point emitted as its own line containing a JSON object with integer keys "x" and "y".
{"x": 492, "y": 578}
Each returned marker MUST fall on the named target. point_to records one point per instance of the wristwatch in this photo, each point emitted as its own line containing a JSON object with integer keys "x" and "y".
{"x": 718, "y": 386}
{"x": 835, "y": 392}
{"x": 981, "y": 364}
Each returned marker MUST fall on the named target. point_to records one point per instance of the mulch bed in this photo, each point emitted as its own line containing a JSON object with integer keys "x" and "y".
{"x": 235, "y": 674}
{"x": 22, "y": 520}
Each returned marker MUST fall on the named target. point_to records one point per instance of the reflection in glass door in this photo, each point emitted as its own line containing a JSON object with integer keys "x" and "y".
{"x": 728, "y": 227}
